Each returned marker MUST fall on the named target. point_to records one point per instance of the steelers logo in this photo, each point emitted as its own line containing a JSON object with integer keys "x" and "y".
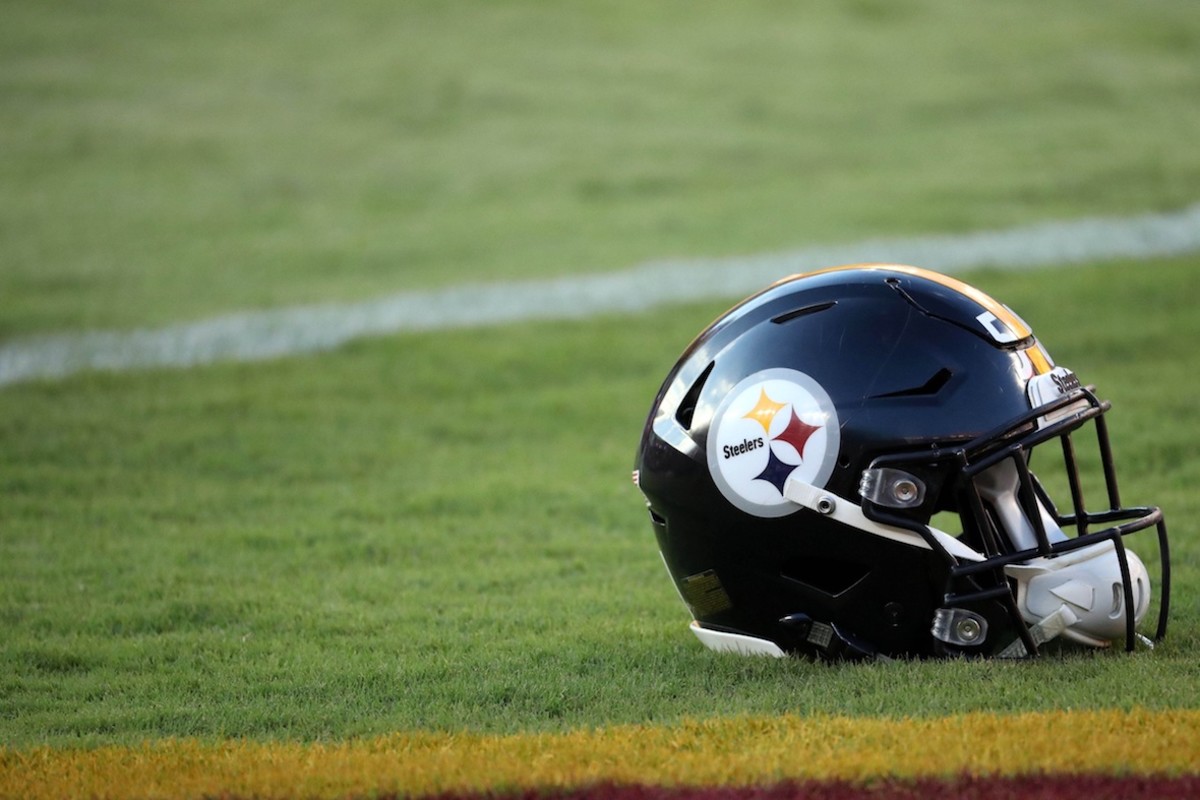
{"x": 774, "y": 424}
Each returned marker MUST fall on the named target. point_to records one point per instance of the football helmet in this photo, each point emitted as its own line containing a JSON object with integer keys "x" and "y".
{"x": 804, "y": 457}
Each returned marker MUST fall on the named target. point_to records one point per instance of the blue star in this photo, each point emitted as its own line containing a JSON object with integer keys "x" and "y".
{"x": 776, "y": 472}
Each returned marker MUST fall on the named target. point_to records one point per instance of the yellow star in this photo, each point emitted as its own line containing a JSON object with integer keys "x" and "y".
{"x": 764, "y": 411}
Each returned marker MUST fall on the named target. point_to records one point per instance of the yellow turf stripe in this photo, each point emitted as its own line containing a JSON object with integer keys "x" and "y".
{"x": 730, "y": 751}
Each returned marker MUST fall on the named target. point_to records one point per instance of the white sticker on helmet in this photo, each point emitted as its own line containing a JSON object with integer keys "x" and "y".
{"x": 774, "y": 424}
{"x": 1046, "y": 388}
{"x": 997, "y": 328}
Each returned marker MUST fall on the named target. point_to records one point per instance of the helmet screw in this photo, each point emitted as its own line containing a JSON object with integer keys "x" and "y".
{"x": 825, "y": 504}
{"x": 968, "y": 629}
{"x": 905, "y": 491}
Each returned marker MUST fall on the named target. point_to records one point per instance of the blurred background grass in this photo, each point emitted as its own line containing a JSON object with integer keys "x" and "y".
{"x": 438, "y": 530}
{"x": 162, "y": 162}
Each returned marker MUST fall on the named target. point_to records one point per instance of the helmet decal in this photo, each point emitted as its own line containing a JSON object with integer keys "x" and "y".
{"x": 997, "y": 328}
{"x": 773, "y": 424}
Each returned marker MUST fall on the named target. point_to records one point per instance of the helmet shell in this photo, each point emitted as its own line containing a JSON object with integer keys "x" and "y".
{"x": 884, "y": 359}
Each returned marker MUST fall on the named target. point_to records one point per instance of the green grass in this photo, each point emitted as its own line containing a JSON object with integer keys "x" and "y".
{"x": 438, "y": 532}
{"x": 170, "y": 161}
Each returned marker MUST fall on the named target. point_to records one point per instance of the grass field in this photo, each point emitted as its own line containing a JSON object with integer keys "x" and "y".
{"x": 437, "y": 532}
{"x": 166, "y": 163}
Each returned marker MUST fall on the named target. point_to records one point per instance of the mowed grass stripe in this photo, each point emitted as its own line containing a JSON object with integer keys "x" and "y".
{"x": 275, "y": 333}
{"x": 719, "y": 752}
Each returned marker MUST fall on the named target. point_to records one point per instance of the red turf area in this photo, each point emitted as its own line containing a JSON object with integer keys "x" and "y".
{"x": 1070, "y": 787}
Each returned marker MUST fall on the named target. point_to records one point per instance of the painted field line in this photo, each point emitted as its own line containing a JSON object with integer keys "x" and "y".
{"x": 260, "y": 335}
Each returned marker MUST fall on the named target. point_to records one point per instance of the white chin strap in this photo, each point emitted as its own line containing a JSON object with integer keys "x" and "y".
{"x": 1079, "y": 595}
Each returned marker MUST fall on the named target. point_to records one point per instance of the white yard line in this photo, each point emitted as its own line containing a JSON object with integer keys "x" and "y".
{"x": 260, "y": 335}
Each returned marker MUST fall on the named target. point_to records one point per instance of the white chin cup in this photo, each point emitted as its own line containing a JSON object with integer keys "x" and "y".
{"x": 1088, "y": 582}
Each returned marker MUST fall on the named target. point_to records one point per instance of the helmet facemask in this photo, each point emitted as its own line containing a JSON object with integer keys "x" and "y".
{"x": 1089, "y": 588}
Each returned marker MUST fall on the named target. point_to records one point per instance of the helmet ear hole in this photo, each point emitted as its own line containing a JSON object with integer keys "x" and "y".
{"x": 687, "y": 406}
{"x": 948, "y": 521}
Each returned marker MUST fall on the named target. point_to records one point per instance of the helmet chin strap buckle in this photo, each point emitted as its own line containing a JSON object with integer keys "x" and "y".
{"x": 1048, "y": 628}
{"x": 830, "y": 642}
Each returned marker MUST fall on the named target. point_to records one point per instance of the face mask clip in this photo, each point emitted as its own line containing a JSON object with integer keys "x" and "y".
{"x": 959, "y": 627}
{"x": 892, "y": 488}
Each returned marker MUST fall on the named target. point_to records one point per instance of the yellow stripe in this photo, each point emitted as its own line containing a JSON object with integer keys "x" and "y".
{"x": 1001, "y": 311}
{"x": 740, "y": 751}
{"x": 1037, "y": 355}
{"x": 1041, "y": 360}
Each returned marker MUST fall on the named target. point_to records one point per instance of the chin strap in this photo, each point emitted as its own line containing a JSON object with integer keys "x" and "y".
{"x": 1041, "y": 632}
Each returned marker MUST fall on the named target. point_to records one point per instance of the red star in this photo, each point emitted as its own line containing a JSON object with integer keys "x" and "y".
{"x": 797, "y": 433}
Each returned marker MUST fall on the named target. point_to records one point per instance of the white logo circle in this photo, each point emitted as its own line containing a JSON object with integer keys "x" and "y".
{"x": 774, "y": 424}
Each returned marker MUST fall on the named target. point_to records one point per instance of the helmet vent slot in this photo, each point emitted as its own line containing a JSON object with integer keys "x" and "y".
{"x": 803, "y": 312}
{"x": 687, "y": 406}
{"x": 929, "y": 388}
{"x": 829, "y": 575}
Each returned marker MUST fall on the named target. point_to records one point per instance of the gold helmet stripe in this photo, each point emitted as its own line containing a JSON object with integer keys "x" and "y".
{"x": 1020, "y": 329}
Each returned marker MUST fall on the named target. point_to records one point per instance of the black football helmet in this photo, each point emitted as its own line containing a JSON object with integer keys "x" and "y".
{"x": 796, "y": 456}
